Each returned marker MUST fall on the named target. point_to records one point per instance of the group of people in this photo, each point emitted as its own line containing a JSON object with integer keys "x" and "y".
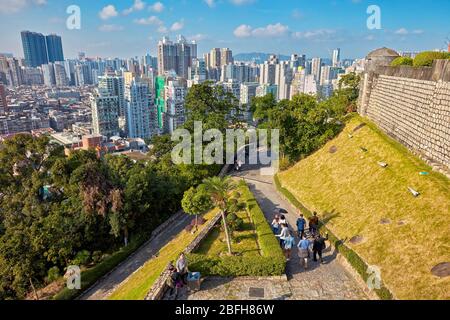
{"x": 311, "y": 242}
{"x": 178, "y": 275}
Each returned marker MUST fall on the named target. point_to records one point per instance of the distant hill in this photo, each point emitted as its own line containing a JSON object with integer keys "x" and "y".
{"x": 258, "y": 57}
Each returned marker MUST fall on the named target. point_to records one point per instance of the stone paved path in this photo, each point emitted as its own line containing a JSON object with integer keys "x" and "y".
{"x": 329, "y": 281}
{"x": 105, "y": 287}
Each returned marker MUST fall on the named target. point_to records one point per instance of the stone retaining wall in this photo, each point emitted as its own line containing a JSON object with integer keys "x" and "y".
{"x": 412, "y": 105}
{"x": 159, "y": 288}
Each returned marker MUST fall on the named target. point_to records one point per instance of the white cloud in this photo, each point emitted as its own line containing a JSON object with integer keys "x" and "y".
{"x": 198, "y": 37}
{"x": 401, "y": 31}
{"x": 153, "y": 20}
{"x": 108, "y": 12}
{"x": 271, "y": 30}
{"x": 137, "y": 6}
{"x": 14, "y": 6}
{"x": 177, "y": 26}
{"x": 241, "y": 2}
{"x": 110, "y": 28}
{"x": 163, "y": 29}
{"x": 210, "y": 3}
{"x": 404, "y": 31}
{"x": 243, "y": 31}
{"x": 320, "y": 34}
{"x": 157, "y": 7}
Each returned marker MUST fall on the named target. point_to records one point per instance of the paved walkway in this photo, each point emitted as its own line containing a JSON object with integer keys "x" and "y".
{"x": 329, "y": 281}
{"x": 105, "y": 287}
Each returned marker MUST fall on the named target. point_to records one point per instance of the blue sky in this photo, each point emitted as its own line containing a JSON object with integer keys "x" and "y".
{"x": 125, "y": 28}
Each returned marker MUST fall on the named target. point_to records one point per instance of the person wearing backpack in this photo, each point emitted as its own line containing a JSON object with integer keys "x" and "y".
{"x": 318, "y": 246}
{"x": 289, "y": 242}
{"x": 301, "y": 222}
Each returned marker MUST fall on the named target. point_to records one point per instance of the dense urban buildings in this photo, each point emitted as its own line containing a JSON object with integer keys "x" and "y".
{"x": 140, "y": 97}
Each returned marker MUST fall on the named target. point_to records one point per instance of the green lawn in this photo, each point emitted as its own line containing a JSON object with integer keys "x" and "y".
{"x": 139, "y": 284}
{"x": 245, "y": 241}
{"x": 354, "y": 194}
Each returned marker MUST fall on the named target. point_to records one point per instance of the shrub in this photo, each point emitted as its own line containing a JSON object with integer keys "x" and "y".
{"x": 402, "y": 61}
{"x": 234, "y": 222}
{"x": 271, "y": 262}
{"x": 82, "y": 258}
{"x": 425, "y": 59}
{"x": 53, "y": 274}
{"x": 96, "y": 257}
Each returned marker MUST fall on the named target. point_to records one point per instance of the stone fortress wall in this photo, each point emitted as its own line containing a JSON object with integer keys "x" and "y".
{"x": 412, "y": 105}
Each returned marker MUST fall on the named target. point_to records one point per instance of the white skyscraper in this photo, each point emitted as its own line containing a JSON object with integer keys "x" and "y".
{"x": 105, "y": 113}
{"x": 175, "y": 94}
{"x": 49, "y": 74}
{"x": 283, "y": 79}
{"x": 316, "y": 66}
{"x": 336, "y": 57}
{"x": 61, "y": 79}
{"x": 141, "y": 113}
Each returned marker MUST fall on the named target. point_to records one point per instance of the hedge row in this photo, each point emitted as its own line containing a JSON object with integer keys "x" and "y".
{"x": 352, "y": 257}
{"x": 271, "y": 262}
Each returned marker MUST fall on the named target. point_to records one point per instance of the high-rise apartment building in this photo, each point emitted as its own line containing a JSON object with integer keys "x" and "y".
{"x": 3, "y": 102}
{"x": 61, "y": 79}
{"x": 283, "y": 79}
{"x": 248, "y": 92}
{"x": 141, "y": 113}
{"x": 54, "y": 48}
{"x": 34, "y": 48}
{"x": 175, "y": 94}
{"x": 10, "y": 71}
{"x": 176, "y": 56}
{"x": 336, "y": 57}
{"x": 105, "y": 113}
{"x": 316, "y": 65}
{"x": 268, "y": 70}
{"x": 49, "y": 74}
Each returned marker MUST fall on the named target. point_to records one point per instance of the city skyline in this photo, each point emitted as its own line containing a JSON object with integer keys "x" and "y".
{"x": 314, "y": 29}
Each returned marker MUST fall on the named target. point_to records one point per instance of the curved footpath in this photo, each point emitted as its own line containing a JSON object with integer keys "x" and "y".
{"x": 329, "y": 281}
{"x": 105, "y": 286}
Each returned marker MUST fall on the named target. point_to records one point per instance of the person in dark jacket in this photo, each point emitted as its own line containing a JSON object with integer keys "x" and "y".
{"x": 314, "y": 224}
{"x": 319, "y": 246}
{"x": 301, "y": 222}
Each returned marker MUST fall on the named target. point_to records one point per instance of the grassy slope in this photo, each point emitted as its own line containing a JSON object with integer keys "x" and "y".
{"x": 139, "y": 284}
{"x": 356, "y": 193}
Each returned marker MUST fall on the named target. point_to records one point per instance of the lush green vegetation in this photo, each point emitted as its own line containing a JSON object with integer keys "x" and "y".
{"x": 269, "y": 261}
{"x": 305, "y": 123}
{"x": 58, "y": 210}
{"x": 402, "y": 61}
{"x": 425, "y": 59}
{"x": 358, "y": 197}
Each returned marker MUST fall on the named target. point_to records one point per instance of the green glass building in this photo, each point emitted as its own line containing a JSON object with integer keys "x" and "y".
{"x": 159, "y": 99}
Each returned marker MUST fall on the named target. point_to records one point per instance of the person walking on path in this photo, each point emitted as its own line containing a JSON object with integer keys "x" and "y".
{"x": 182, "y": 267}
{"x": 283, "y": 220}
{"x": 303, "y": 252}
{"x": 289, "y": 242}
{"x": 283, "y": 234}
{"x": 319, "y": 246}
{"x": 314, "y": 224}
{"x": 301, "y": 222}
{"x": 276, "y": 224}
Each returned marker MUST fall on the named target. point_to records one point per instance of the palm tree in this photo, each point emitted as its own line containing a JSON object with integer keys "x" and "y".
{"x": 220, "y": 191}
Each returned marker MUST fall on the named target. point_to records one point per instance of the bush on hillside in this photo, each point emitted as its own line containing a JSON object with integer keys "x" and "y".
{"x": 402, "y": 61}
{"x": 425, "y": 59}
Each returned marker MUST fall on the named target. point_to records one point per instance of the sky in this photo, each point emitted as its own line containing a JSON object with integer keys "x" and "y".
{"x": 128, "y": 28}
